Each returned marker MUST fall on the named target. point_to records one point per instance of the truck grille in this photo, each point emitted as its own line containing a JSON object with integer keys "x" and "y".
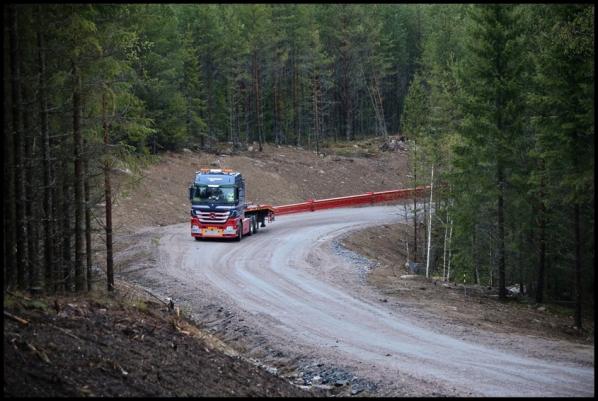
{"x": 212, "y": 217}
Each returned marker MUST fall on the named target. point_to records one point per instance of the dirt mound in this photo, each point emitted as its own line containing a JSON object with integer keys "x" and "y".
{"x": 276, "y": 176}
{"x": 74, "y": 347}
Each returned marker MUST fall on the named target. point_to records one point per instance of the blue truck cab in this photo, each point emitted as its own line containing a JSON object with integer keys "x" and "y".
{"x": 219, "y": 208}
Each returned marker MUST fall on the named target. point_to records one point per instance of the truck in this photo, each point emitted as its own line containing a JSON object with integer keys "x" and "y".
{"x": 219, "y": 208}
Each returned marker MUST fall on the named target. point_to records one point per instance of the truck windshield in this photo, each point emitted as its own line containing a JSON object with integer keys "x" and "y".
{"x": 204, "y": 193}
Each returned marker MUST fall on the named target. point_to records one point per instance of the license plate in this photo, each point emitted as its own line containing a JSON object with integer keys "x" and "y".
{"x": 211, "y": 231}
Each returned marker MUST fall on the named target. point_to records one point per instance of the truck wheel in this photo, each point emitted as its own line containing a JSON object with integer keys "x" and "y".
{"x": 257, "y": 225}
{"x": 240, "y": 233}
{"x": 253, "y": 225}
{"x": 197, "y": 238}
{"x": 250, "y": 232}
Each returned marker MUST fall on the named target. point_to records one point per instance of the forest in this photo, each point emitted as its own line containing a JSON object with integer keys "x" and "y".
{"x": 496, "y": 103}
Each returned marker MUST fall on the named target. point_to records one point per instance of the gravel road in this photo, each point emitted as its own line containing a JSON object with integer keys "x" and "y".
{"x": 290, "y": 284}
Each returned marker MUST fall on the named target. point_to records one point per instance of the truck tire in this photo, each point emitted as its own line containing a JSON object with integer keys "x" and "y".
{"x": 253, "y": 224}
{"x": 250, "y": 232}
{"x": 240, "y": 233}
{"x": 197, "y": 238}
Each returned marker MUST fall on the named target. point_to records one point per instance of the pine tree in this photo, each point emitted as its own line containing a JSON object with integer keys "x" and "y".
{"x": 492, "y": 105}
{"x": 563, "y": 99}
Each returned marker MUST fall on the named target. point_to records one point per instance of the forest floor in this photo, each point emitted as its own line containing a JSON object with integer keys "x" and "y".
{"x": 125, "y": 345}
{"x": 131, "y": 344}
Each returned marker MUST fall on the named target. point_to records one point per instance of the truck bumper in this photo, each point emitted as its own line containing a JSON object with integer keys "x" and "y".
{"x": 223, "y": 230}
{"x": 213, "y": 231}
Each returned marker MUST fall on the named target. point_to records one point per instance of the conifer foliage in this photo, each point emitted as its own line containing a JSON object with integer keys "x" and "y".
{"x": 497, "y": 100}
{"x": 511, "y": 95}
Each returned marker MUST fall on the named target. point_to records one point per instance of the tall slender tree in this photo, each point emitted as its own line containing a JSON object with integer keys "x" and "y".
{"x": 493, "y": 102}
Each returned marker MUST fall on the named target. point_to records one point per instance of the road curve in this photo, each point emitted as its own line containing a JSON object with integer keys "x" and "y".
{"x": 283, "y": 278}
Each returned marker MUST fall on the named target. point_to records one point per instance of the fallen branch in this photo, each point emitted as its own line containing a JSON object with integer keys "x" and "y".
{"x": 16, "y": 318}
{"x": 18, "y": 295}
{"x": 65, "y": 331}
{"x": 39, "y": 352}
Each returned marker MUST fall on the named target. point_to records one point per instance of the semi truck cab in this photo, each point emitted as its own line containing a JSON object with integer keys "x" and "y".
{"x": 219, "y": 208}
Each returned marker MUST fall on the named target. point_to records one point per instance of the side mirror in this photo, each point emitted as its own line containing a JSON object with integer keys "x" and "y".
{"x": 191, "y": 192}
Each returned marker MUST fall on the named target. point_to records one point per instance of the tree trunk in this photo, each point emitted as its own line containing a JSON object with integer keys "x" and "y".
{"x": 46, "y": 165}
{"x": 316, "y": 96}
{"x": 444, "y": 247}
{"x": 108, "y": 200}
{"x": 295, "y": 89}
{"x": 378, "y": 106}
{"x": 542, "y": 241}
{"x": 578, "y": 288}
{"x": 78, "y": 181}
{"x": 521, "y": 267}
{"x": 21, "y": 224}
{"x": 258, "y": 114}
{"x": 430, "y": 225}
{"x": 9, "y": 203}
{"x": 349, "y": 117}
{"x": 31, "y": 207}
{"x": 448, "y": 271}
{"x": 275, "y": 117}
{"x": 502, "y": 291}
{"x": 88, "y": 246}
{"x": 66, "y": 226}
{"x": 414, "y": 204}
{"x": 475, "y": 254}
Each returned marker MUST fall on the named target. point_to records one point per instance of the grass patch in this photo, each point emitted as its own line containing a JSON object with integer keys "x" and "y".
{"x": 364, "y": 148}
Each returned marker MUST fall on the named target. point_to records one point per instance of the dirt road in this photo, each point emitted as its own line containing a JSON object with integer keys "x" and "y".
{"x": 291, "y": 289}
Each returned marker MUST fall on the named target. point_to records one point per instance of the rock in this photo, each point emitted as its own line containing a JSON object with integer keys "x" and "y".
{"x": 215, "y": 163}
{"x": 316, "y": 380}
{"x": 384, "y": 300}
{"x": 513, "y": 290}
{"x": 340, "y": 383}
{"x": 272, "y": 370}
{"x": 408, "y": 276}
{"x": 119, "y": 170}
{"x": 356, "y": 391}
{"x": 541, "y": 309}
{"x": 323, "y": 386}
{"x": 185, "y": 150}
{"x": 250, "y": 148}
{"x": 415, "y": 268}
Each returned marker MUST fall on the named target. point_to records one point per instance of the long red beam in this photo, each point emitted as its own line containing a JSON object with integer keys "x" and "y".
{"x": 368, "y": 198}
